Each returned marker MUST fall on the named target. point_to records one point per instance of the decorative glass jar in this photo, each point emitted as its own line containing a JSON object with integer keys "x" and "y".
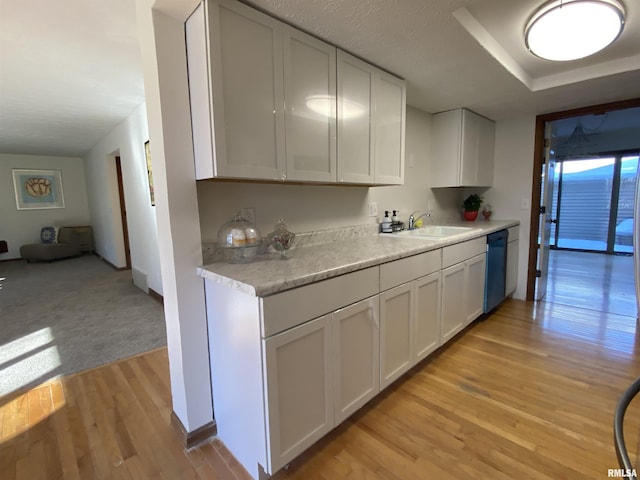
{"x": 281, "y": 239}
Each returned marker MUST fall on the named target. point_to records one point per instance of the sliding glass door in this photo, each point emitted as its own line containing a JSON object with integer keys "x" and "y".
{"x": 623, "y": 228}
{"x": 593, "y": 204}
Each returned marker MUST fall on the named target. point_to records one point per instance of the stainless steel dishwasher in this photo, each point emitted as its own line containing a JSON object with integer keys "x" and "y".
{"x": 494, "y": 287}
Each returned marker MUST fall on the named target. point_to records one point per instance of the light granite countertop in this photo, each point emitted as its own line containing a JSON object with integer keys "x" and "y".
{"x": 267, "y": 274}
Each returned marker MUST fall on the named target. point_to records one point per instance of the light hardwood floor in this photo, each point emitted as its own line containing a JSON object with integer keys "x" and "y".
{"x": 592, "y": 280}
{"x": 518, "y": 395}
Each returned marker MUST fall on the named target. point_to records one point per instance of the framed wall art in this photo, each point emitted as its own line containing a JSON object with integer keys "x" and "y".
{"x": 147, "y": 155}
{"x": 38, "y": 189}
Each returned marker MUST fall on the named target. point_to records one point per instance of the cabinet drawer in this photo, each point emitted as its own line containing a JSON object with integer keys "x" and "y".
{"x": 293, "y": 307}
{"x": 514, "y": 233}
{"x": 461, "y": 251}
{"x": 407, "y": 269}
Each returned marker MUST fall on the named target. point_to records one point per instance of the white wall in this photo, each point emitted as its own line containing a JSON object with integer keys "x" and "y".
{"x": 126, "y": 140}
{"x": 20, "y": 227}
{"x": 513, "y": 173}
{"x": 316, "y": 207}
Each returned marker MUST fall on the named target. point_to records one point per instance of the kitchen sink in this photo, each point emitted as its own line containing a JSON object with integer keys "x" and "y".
{"x": 435, "y": 232}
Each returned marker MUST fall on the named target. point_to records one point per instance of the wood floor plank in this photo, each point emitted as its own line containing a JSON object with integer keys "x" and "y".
{"x": 64, "y": 442}
{"x": 527, "y": 393}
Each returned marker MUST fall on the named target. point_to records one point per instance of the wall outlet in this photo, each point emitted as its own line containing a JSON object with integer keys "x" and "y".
{"x": 373, "y": 209}
{"x": 248, "y": 214}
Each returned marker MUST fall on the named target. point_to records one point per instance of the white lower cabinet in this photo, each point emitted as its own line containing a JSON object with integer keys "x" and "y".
{"x": 475, "y": 277}
{"x": 299, "y": 389}
{"x": 356, "y": 357}
{"x": 426, "y": 334}
{"x": 397, "y": 312}
{"x": 289, "y": 367}
{"x": 512, "y": 267}
{"x": 409, "y": 325}
{"x": 463, "y": 282}
{"x": 317, "y": 375}
{"x": 453, "y": 304}
{"x": 513, "y": 247}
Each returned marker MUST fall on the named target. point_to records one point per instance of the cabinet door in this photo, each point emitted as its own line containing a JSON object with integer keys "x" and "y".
{"x": 426, "y": 337}
{"x": 389, "y": 121}
{"x": 486, "y": 153}
{"x": 512, "y": 267}
{"x": 446, "y": 134}
{"x": 469, "y": 148}
{"x": 453, "y": 300}
{"x": 356, "y": 353}
{"x": 355, "y": 139}
{"x": 396, "y": 332}
{"x": 475, "y": 276}
{"x": 310, "y": 118}
{"x": 476, "y": 158}
{"x": 248, "y": 96}
{"x": 299, "y": 389}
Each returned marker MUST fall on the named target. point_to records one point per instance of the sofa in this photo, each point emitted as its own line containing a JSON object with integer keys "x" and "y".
{"x": 55, "y": 243}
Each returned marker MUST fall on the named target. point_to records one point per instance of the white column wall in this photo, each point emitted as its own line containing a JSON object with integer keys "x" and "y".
{"x": 165, "y": 77}
{"x": 513, "y": 173}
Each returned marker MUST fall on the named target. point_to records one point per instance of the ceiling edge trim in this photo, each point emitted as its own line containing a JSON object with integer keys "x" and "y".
{"x": 604, "y": 69}
{"x": 491, "y": 45}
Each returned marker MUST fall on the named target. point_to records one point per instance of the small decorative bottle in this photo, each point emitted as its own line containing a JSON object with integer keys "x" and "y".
{"x": 386, "y": 223}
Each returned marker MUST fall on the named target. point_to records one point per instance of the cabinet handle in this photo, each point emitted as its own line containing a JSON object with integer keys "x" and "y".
{"x": 374, "y": 317}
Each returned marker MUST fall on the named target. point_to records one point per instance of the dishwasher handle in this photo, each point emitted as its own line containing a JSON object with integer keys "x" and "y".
{"x": 500, "y": 235}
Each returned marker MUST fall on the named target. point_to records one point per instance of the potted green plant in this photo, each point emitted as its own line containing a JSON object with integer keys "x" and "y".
{"x": 471, "y": 206}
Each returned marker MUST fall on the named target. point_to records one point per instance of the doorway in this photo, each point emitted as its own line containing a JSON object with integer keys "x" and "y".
{"x": 592, "y": 204}
{"x": 123, "y": 215}
{"x": 590, "y": 208}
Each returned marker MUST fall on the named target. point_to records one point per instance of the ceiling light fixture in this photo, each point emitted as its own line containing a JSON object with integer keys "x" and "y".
{"x": 563, "y": 30}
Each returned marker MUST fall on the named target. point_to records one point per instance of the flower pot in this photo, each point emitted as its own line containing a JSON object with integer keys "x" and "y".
{"x": 470, "y": 216}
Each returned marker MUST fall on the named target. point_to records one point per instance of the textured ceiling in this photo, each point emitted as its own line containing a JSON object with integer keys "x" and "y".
{"x": 70, "y": 71}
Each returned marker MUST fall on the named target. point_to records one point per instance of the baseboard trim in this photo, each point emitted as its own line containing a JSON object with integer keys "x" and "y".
{"x": 119, "y": 269}
{"x": 199, "y": 435}
{"x": 11, "y": 259}
{"x": 156, "y": 296}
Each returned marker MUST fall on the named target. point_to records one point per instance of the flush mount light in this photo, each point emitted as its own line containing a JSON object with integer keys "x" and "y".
{"x": 563, "y": 30}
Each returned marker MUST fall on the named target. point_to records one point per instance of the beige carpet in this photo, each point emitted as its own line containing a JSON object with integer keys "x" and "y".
{"x": 70, "y": 315}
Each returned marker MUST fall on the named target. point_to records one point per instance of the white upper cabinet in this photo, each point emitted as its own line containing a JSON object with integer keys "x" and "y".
{"x": 310, "y": 114}
{"x": 390, "y": 110}
{"x": 269, "y": 102}
{"x": 371, "y": 123}
{"x": 247, "y": 93}
{"x": 355, "y": 135}
{"x": 462, "y": 150}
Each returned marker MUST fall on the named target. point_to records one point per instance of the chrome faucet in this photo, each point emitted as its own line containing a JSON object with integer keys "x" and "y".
{"x": 412, "y": 219}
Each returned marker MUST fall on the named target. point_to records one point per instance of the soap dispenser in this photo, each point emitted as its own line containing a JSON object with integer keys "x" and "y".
{"x": 386, "y": 223}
